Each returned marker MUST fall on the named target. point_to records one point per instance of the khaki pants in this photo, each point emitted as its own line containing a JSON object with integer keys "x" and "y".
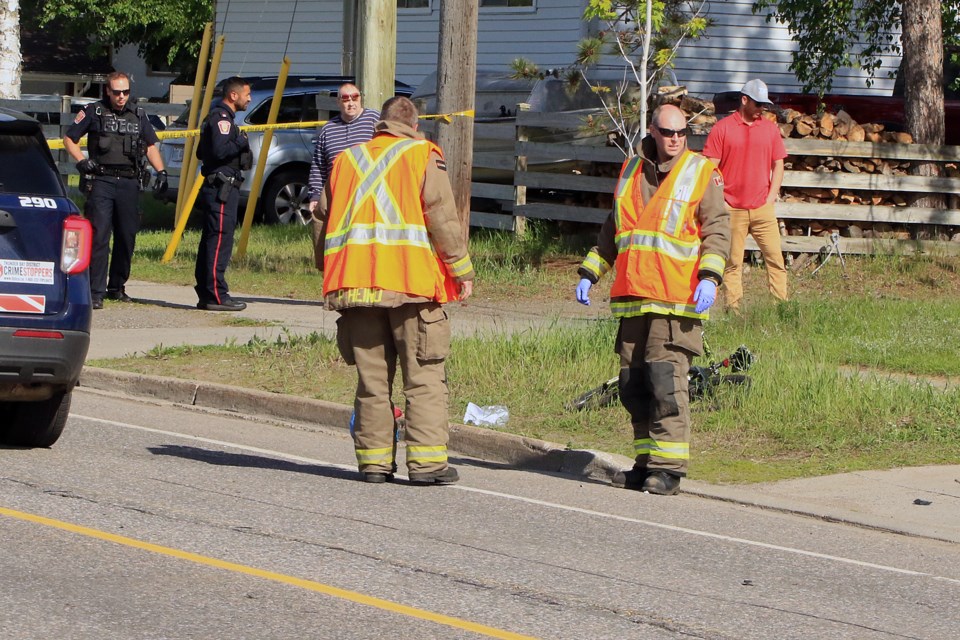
{"x": 375, "y": 339}
{"x": 762, "y": 225}
{"x": 655, "y": 355}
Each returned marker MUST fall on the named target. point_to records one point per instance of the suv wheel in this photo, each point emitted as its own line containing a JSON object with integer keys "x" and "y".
{"x": 285, "y": 199}
{"x": 36, "y": 424}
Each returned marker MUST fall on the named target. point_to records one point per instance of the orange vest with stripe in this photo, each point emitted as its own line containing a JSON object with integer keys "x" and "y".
{"x": 376, "y": 235}
{"x": 658, "y": 242}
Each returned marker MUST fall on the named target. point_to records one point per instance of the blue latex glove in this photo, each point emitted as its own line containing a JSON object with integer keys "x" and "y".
{"x": 583, "y": 291}
{"x": 705, "y": 294}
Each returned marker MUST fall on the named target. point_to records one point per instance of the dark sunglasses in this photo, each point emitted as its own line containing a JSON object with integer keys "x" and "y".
{"x": 669, "y": 133}
{"x": 120, "y": 92}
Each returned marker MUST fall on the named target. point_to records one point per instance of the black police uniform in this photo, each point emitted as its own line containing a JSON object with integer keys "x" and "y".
{"x": 117, "y": 142}
{"x": 224, "y": 152}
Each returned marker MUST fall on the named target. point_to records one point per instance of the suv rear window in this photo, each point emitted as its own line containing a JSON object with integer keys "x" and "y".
{"x": 297, "y": 108}
{"x": 26, "y": 166}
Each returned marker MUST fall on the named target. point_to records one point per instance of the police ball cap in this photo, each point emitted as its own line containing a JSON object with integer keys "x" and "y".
{"x": 756, "y": 90}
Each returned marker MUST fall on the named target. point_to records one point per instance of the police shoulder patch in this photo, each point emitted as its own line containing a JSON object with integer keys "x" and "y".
{"x": 224, "y": 126}
{"x": 441, "y": 165}
{"x": 80, "y": 116}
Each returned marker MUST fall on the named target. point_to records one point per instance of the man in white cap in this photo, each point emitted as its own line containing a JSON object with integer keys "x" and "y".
{"x": 749, "y": 151}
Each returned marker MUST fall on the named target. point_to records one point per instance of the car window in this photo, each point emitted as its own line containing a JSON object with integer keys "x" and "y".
{"x": 291, "y": 110}
{"x": 27, "y": 166}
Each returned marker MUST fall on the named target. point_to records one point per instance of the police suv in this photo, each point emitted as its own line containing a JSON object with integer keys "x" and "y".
{"x": 45, "y": 308}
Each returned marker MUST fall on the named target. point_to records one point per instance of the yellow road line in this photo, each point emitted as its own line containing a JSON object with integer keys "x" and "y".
{"x": 310, "y": 585}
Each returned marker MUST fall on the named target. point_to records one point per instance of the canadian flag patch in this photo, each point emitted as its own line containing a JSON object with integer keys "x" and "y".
{"x": 80, "y": 116}
{"x": 717, "y": 180}
{"x": 224, "y": 126}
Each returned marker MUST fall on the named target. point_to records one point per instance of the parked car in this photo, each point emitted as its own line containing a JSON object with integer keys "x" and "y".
{"x": 283, "y": 194}
{"x": 885, "y": 110}
{"x": 45, "y": 308}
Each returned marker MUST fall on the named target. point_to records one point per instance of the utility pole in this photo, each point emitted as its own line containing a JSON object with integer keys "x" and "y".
{"x": 376, "y": 64}
{"x": 456, "y": 91}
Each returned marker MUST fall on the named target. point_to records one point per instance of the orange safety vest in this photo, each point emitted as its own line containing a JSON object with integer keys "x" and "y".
{"x": 376, "y": 231}
{"x": 658, "y": 245}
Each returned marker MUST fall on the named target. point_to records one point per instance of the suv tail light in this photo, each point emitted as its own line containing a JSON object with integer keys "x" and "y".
{"x": 77, "y": 243}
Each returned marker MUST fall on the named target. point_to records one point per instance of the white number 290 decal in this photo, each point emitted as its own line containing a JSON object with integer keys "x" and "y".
{"x": 35, "y": 201}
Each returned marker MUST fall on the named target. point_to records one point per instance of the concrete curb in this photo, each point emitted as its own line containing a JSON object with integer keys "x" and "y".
{"x": 477, "y": 442}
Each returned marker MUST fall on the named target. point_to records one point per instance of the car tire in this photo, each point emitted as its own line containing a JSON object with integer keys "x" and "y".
{"x": 285, "y": 199}
{"x": 36, "y": 424}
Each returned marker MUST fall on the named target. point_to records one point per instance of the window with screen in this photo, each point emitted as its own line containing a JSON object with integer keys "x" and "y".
{"x": 505, "y": 3}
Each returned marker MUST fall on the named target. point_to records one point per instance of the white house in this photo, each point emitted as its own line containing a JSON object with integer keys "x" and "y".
{"x": 738, "y": 47}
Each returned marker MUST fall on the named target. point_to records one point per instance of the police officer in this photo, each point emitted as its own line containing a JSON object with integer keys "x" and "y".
{"x": 224, "y": 152}
{"x": 118, "y": 138}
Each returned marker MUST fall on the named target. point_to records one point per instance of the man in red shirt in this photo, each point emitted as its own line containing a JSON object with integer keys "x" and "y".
{"x": 749, "y": 151}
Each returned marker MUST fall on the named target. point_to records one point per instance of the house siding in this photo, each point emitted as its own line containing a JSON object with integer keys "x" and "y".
{"x": 738, "y": 47}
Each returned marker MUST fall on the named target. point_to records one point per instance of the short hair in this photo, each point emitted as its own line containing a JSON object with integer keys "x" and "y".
{"x": 346, "y": 84}
{"x": 234, "y": 83}
{"x": 117, "y": 75}
{"x": 400, "y": 109}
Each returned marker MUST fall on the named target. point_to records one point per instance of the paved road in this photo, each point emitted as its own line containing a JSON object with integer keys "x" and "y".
{"x": 240, "y": 528}
{"x": 919, "y": 501}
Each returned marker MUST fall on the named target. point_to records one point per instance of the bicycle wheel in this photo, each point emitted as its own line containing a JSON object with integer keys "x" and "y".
{"x": 602, "y": 396}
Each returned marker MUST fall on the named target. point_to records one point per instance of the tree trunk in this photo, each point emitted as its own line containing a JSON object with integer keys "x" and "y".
{"x": 10, "y": 49}
{"x": 922, "y": 41}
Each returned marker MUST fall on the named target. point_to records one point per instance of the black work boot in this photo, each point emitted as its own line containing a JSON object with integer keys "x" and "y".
{"x": 377, "y": 477}
{"x": 662, "y": 483}
{"x": 443, "y": 476}
{"x": 630, "y": 479}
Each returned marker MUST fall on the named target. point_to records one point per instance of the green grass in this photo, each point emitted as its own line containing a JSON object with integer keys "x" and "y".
{"x": 807, "y": 413}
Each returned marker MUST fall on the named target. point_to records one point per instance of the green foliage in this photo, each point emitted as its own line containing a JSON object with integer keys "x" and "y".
{"x": 166, "y": 31}
{"x": 846, "y": 33}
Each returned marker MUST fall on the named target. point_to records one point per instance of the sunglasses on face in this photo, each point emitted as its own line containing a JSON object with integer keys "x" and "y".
{"x": 350, "y": 97}
{"x": 669, "y": 133}
{"x": 120, "y": 92}
{"x": 763, "y": 106}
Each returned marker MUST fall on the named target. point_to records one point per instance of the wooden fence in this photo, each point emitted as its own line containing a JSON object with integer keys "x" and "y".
{"x": 571, "y": 181}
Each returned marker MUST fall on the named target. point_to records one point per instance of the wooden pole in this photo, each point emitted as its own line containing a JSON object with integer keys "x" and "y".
{"x": 376, "y": 64}
{"x": 456, "y": 92}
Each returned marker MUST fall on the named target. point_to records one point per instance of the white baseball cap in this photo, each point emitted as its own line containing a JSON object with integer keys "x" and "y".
{"x": 756, "y": 90}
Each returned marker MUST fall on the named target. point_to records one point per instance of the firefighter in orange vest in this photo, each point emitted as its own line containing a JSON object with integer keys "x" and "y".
{"x": 668, "y": 238}
{"x": 391, "y": 247}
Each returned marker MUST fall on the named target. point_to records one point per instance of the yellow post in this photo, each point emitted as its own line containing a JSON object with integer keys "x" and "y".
{"x": 188, "y": 144}
{"x": 182, "y": 222}
{"x": 262, "y": 158}
{"x": 191, "y": 168}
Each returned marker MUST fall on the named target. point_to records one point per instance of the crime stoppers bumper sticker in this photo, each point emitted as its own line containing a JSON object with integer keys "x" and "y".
{"x": 25, "y": 271}
{"x": 22, "y": 303}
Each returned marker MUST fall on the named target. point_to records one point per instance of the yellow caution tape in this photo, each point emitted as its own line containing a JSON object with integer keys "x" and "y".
{"x": 447, "y": 117}
{"x": 57, "y": 143}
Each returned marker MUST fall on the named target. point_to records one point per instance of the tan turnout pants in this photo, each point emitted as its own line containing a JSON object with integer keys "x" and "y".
{"x": 762, "y": 224}
{"x": 655, "y": 354}
{"x": 375, "y": 339}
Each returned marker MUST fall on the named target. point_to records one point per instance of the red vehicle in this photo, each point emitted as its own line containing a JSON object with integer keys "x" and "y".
{"x": 885, "y": 110}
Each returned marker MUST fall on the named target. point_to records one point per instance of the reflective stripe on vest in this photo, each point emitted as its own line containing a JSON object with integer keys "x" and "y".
{"x": 658, "y": 242}
{"x": 376, "y": 231}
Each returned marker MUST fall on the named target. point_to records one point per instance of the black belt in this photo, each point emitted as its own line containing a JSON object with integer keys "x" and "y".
{"x": 117, "y": 172}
